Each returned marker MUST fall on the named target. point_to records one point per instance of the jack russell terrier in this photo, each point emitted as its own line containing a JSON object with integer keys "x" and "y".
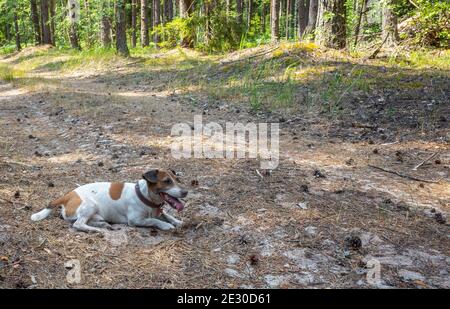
{"x": 95, "y": 206}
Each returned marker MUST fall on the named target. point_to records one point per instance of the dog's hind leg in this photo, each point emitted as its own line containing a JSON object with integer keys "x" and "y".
{"x": 98, "y": 221}
{"x": 84, "y": 215}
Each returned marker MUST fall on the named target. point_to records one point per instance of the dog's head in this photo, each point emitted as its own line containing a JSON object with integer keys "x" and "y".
{"x": 166, "y": 184}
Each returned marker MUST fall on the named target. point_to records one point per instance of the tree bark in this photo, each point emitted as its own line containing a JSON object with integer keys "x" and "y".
{"x": 73, "y": 31}
{"x": 133, "y": 23}
{"x": 121, "y": 29}
{"x": 52, "y": 21}
{"x": 240, "y": 13}
{"x": 17, "y": 32}
{"x": 144, "y": 23}
{"x": 156, "y": 18}
{"x": 288, "y": 19}
{"x": 186, "y": 8}
{"x": 263, "y": 18}
{"x": 312, "y": 17}
{"x": 274, "y": 20}
{"x": 46, "y": 33}
{"x": 105, "y": 28}
{"x": 302, "y": 16}
{"x": 168, "y": 11}
{"x": 362, "y": 9}
{"x": 249, "y": 13}
{"x": 332, "y": 24}
{"x": 389, "y": 23}
{"x": 35, "y": 20}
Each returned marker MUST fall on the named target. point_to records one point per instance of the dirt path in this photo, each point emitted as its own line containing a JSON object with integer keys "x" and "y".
{"x": 315, "y": 221}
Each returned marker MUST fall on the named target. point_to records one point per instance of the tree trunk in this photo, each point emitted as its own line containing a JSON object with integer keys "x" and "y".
{"x": 16, "y": 29}
{"x": 249, "y": 13}
{"x": 263, "y": 18}
{"x": 52, "y": 21}
{"x": 302, "y": 16}
{"x": 186, "y": 7}
{"x": 240, "y": 13}
{"x": 274, "y": 20}
{"x": 312, "y": 17}
{"x": 105, "y": 31}
{"x": 156, "y": 18}
{"x": 121, "y": 29}
{"x": 332, "y": 24}
{"x": 168, "y": 11}
{"x": 133, "y": 23}
{"x": 207, "y": 7}
{"x": 46, "y": 33}
{"x": 144, "y": 23}
{"x": 35, "y": 20}
{"x": 362, "y": 9}
{"x": 389, "y": 23}
{"x": 73, "y": 31}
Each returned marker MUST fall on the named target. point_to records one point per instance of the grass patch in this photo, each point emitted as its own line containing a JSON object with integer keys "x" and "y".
{"x": 10, "y": 75}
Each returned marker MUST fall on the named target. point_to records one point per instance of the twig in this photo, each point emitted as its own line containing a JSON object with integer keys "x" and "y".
{"x": 259, "y": 174}
{"x": 375, "y": 53}
{"x": 424, "y": 161}
{"x": 251, "y": 57}
{"x": 17, "y": 163}
{"x": 391, "y": 143}
{"x": 410, "y": 1}
{"x": 405, "y": 176}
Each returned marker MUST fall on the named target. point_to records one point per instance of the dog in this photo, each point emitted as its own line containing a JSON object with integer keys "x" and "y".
{"x": 93, "y": 207}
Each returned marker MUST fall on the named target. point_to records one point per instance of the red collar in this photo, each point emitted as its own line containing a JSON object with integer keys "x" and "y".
{"x": 144, "y": 200}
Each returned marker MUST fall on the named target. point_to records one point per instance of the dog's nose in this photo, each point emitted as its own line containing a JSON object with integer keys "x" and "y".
{"x": 184, "y": 193}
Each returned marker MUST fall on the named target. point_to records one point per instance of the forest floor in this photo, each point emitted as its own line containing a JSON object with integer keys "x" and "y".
{"x": 315, "y": 221}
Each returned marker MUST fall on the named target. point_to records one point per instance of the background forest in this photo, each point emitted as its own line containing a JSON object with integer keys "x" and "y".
{"x": 221, "y": 25}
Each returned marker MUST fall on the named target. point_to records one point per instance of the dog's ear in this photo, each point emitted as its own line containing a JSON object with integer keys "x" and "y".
{"x": 151, "y": 176}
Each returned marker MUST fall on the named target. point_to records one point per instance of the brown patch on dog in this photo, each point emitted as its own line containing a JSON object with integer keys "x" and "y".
{"x": 115, "y": 190}
{"x": 71, "y": 201}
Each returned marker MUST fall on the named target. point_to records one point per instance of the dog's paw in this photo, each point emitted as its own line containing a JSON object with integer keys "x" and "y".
{"x": 177, "y": 223}
{"x": 114, "y": 228}
{"x": 166, "y": 226}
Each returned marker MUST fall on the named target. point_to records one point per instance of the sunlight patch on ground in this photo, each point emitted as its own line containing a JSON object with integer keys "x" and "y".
{"x": 73, "y": 157}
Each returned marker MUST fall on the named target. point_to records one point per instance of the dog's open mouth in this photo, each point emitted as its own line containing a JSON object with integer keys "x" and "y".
{"x": 172, "y": 201}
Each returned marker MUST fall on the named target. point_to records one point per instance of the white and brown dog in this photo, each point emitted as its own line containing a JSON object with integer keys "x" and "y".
{"x": 97, "y": 205}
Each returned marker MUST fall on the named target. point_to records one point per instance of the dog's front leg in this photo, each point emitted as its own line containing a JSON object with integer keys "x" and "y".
{"x": 175, "y": 222}
{"x": 151, "y": 222}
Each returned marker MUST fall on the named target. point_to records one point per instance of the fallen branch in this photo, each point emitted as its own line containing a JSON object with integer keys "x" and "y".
{"x": 375, "y": 53}
{"x": 250, "y": 57}
{"x": 404, "y": 176}
{"x": 259, "y": 174}
{"x": 424, "y": 161}
{"x": 17, "y": 163}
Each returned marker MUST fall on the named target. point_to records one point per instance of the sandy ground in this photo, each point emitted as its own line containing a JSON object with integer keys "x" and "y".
{"x": 322, "y": 219}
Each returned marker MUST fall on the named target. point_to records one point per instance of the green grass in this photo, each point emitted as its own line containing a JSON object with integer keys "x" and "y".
{"x": 295, "y": 75}
{"x": 9, "y": 74}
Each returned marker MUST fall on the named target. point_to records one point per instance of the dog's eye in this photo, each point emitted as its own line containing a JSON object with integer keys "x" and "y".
{"x": 168, "y": 181}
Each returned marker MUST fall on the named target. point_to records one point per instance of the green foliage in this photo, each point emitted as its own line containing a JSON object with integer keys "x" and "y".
{"x": 431, "y": 24}
{"x": 174, "y": 32}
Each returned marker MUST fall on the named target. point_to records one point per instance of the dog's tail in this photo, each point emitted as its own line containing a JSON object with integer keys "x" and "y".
{"x": 44, "y": 213}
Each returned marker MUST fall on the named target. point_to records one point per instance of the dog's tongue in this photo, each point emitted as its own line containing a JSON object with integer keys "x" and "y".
{"x": 174, "y": 202}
